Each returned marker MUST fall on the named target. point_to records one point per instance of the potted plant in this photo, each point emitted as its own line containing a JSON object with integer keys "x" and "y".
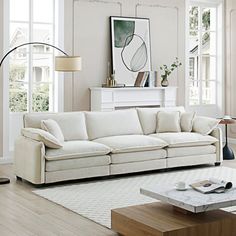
{"x": 166, "y": 71}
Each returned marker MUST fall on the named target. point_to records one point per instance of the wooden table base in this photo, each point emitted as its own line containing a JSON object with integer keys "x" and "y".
{"x": 181, "y": 210}
{"x": 161, "y": 219}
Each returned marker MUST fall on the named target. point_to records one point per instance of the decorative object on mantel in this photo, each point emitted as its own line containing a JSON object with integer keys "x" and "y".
{"x": 130, "y": 41}
{"x": 111, "y": 81}
{"x": 168, "y": 70}
{"x": 141, "y": 79}
{"x": 64, "y": 63}
{"x": 154, "y": 81}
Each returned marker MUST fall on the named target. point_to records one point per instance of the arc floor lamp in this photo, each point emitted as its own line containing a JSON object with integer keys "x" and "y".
{"x": 64, "y": 63}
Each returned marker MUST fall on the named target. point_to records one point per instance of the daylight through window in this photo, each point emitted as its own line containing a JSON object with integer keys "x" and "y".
{"x": 31, "y": 78}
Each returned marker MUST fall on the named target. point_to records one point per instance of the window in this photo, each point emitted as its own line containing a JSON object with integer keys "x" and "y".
{"x": 202, "y": 35}
{"x": 32, "y": 77}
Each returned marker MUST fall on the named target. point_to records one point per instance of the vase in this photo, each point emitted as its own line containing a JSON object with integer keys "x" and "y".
{"x": 164, "y": 82}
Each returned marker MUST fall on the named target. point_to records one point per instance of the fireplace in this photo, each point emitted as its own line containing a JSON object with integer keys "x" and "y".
{"x": 110, "y": 99}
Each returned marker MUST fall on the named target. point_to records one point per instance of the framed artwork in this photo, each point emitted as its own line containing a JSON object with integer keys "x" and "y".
{"x": 130, "y": 42}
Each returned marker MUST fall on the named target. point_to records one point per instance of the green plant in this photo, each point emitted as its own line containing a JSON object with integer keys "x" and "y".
{"x": 166, "y": 71}
{"x": 18, "y": 99}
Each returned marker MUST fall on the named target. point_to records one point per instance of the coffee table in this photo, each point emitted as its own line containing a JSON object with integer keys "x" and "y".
{"x": 191, "y": 200}
{"x": 183, "y": 213}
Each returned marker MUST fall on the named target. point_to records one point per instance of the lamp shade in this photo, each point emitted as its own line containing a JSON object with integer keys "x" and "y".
{"x": 68, "y": 63}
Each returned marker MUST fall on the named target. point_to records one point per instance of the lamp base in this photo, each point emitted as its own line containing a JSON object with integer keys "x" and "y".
{"x": 4, "y": 181}
{"x": 228, "y": 153}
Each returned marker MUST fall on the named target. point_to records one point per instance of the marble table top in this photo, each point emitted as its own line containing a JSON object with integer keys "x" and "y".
{"x": 190, "y": 200}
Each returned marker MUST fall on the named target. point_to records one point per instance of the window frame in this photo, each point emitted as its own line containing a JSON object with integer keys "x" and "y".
{"x": 200, "y": 55}
{"x": 218, "y": 106}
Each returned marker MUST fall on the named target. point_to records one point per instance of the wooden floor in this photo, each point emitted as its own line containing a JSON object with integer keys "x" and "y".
{"x": 24, "y": 213}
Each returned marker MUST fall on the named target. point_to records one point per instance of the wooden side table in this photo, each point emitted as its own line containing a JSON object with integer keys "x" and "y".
{"x": 228, "y": 153}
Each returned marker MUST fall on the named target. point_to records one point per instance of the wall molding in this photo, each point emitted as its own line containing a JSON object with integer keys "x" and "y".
{"x": 177, "y": 23}
{"x": 100, "y": 1}
{"x": 230, "y": 63}
{"x": 6, "y": 160}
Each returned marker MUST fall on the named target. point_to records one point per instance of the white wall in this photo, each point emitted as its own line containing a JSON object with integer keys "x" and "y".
{"x": 230, "y": 86}
{"x": 89, "y": 37}
{"x": 1, "y": 79}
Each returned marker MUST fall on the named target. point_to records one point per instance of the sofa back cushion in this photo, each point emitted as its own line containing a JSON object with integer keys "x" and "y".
{"x": 148, "y": 117}
{"x": 186, "y": 121}
{"x": 72, "y": 124}
{"x": 105, "y": 124}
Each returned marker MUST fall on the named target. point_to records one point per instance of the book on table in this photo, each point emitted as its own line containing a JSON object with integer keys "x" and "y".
{"x": 212, "y": 186}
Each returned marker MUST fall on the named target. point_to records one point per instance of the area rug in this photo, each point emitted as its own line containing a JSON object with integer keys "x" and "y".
{"x": 95, "y": 199}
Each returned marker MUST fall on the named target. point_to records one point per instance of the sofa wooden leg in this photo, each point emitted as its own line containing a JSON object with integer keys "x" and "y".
{"x": 217, "y": 163}
{"x": 18, "y": 178}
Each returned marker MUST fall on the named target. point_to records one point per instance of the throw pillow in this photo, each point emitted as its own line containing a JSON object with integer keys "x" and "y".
{"x": 186, "y": 121}
{"x": 168, "y": 121}
{"x": 204, "y": 125}
{"x": 53, "y": 128}
{"x": 42, "y": 136}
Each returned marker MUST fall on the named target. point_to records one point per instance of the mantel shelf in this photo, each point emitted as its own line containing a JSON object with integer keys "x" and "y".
{"x": 109, "y": 99}
{"x": 132, "y": 88}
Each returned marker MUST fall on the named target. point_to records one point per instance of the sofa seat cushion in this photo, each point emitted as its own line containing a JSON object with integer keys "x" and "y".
{"x": 118, "y": 158}
{"x": 185, "y": 139}
{"x": 77, "y": 149}
{"x": 190, "y": 151}
{"x": 131, "y": 143}
{"x": 77, "y": 163}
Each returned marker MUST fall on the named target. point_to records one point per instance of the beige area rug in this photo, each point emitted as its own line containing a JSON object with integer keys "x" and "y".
{"x": 95, "y": 199}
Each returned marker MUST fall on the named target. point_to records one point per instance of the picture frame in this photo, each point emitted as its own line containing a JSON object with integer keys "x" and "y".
{"x": 130, "y": 48}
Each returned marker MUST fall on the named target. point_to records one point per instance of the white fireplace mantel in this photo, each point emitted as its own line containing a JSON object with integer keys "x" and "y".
{"x": 109, "y": 99}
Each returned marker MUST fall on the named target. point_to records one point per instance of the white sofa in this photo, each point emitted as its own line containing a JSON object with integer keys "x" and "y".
{"x": 110, "y": 143}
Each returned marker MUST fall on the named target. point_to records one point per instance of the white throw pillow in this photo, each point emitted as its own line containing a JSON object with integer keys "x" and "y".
{"x": 168, "y": 121}
{"x": 53, "y": 128}
{"x": 148, "y": 117}
{"x": 186, "y": 121}
{"x": 42, "y": 136}
{"x": 204, "y": 125}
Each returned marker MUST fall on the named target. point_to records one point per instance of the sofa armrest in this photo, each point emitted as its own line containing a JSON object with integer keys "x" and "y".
{"x": 29, "y": 161}
{"x": 217, "y": 133}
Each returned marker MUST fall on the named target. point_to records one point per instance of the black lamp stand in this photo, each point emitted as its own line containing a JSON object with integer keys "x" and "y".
{"x": 228, "y": 153}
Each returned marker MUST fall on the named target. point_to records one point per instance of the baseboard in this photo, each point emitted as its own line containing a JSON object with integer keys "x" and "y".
{"x": 6, "y": 160}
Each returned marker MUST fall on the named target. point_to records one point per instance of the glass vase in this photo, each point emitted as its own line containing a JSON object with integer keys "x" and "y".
{"x": 164, "y": 82}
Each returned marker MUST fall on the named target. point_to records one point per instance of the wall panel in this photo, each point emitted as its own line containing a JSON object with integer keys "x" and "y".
{"x": 230, "y": 73}
{"x": 164, "y": 34}
{"x": 91, "y": 41}
{"x": 90, "y": 36}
